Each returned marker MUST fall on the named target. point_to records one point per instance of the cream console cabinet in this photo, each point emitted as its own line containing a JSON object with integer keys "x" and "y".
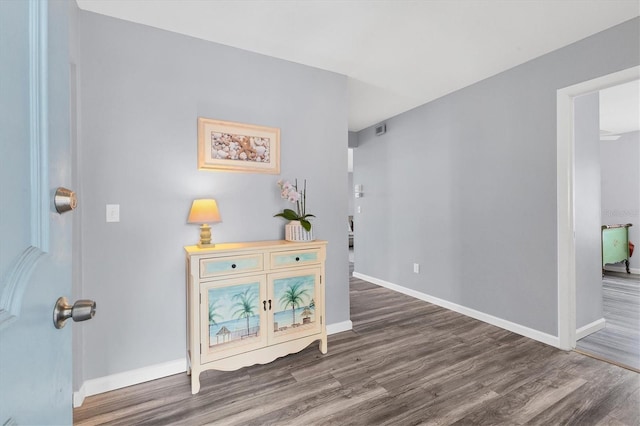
{"x": 250, "y": 303}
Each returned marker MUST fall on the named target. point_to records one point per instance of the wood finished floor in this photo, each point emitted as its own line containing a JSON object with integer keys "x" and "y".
{"x": 619, "y": 341}
{"x": 405, "y": 362}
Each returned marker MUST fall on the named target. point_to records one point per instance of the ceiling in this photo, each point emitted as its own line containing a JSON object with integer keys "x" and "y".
{"x": 397, "y": 54}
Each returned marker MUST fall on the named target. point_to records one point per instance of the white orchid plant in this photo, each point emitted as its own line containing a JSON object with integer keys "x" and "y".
{"x": 291, "y": 193}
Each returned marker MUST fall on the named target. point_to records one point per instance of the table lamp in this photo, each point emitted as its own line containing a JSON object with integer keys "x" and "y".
{"x": 204, "y": 212}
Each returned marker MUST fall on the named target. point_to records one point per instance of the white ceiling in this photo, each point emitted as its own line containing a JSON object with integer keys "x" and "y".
{"x": 398, "y": 54}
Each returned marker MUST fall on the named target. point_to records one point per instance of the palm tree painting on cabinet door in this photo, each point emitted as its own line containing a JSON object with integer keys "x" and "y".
{"x": 294, "y": 296}
{"x": 245, "y": 307}
{"x": 213, "y": 314}
{"x": 234, "y": 314}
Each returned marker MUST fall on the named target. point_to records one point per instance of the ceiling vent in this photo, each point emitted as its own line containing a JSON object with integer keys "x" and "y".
{"x": 381, "y": 129}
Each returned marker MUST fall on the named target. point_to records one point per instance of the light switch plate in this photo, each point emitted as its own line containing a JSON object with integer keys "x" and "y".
{"x": 113, "y": 212}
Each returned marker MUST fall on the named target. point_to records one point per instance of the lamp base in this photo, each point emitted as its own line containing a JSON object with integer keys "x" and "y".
{"x": 205, "y": 236}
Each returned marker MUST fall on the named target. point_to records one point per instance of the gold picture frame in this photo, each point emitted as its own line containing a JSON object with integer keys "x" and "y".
{"x": 237, "y": 147}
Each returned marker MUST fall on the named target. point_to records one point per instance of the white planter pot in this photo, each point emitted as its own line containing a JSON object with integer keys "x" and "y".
{"x": 294, "y": 231}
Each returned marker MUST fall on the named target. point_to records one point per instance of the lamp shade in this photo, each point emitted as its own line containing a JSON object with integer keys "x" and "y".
{"x": 204, "y": 211}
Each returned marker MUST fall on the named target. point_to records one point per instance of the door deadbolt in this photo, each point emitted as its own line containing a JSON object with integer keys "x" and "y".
{"x": 82, "y": 310}
{"x": 65, "y": 200}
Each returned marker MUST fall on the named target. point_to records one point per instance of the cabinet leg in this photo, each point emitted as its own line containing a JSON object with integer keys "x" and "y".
{"x": 323, "y": 345}
{"x": 195, "y": 383}
{"x": 626, "y": 263}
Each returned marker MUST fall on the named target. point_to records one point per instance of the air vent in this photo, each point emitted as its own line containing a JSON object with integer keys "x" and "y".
{"x": 381, "y": 129}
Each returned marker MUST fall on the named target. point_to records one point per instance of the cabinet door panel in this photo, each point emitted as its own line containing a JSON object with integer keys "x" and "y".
{"x": 232, "y": 317}
{"x": 296, "y": 304}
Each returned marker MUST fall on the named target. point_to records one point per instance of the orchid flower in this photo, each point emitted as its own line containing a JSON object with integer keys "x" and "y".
{"x": 299, "y": 198}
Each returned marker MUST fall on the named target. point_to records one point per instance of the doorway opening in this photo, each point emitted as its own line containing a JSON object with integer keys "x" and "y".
{"x": 608, "y": 199}
{"x": 566, "y": 201}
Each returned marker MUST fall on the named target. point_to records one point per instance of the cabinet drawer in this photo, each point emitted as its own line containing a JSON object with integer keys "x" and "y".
{"x": 231, "y": 265}
{"x": 284, "y": 259}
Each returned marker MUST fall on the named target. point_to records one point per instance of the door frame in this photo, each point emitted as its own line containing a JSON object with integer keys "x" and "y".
{"x": 566, "y": 197}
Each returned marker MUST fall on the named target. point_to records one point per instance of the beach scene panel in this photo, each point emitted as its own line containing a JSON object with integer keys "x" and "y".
{"x": 234, "y": 315}
{"x": 294, "y": 299}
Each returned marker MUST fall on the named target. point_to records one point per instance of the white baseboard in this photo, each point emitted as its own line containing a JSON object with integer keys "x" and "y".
{"x": 339, "y": 327}
{"x": 622, "y": 269}
{"x": 597, "y": 325}
{"x": 79, "y": 396}
{"x": 490, "y": 319}
{"x": 153, "y": 372}
{"x": 128, "y": 378}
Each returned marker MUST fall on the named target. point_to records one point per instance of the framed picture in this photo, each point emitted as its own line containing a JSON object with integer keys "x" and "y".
{"x": 229, "y": 146}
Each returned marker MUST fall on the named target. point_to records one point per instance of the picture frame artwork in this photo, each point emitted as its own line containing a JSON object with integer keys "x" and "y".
{"x": 238, "y": 147}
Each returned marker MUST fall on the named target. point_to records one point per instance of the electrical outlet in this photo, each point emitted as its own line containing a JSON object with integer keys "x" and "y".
{"x": 416, "y": 268}
{"x": 359, "y": 209}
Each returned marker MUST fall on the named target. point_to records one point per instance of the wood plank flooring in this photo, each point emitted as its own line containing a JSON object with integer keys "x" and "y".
{"x": 619, "y": 341}
{"x": 405, "y": 362}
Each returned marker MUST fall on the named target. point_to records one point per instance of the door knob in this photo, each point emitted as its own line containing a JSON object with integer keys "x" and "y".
{"x": 82, "y": 310}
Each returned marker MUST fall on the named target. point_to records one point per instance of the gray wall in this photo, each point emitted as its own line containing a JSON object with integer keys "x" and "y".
{"x": 587, "y": 209}
{"x": 620, "y": 163}
{"x": 353, "y": 140}
{"x": 141, "y": 91}
{"x": 466, "y": 186}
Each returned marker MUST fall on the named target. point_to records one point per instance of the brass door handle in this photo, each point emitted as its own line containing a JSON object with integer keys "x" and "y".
{"x": 65, "y": 200}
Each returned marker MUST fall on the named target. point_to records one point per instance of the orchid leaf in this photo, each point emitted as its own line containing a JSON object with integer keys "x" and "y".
{"x": 287, "y": 214}
{"x": 305, "y": 224}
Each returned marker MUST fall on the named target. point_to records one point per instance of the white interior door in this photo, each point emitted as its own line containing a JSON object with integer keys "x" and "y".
{"x": 35, "y": 241}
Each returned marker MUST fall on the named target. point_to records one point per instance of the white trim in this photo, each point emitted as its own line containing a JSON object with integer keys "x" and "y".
{"x": 588, "y": 329}
{"x": 79, "y": 396}
{"x": 565, "y": 218}
{"x": 490, "y": 319}
{"x": 565, "y": 198}
{"x": 153, "y": 372}
{"x": 128, "y": 378}
{"x": 339, "y": 327}
{"x": 622, "y": 269}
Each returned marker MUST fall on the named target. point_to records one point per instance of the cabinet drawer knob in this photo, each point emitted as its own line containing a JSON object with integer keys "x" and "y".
{"x": 297, "y": 259}
{"x": 233, "y": 266}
